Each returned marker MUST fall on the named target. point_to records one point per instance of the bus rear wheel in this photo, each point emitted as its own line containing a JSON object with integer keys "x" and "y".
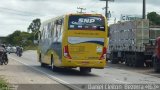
{"x": 53, "y": 67}
{"x": 40, "y": 59}
{"x": 85, "y": 70}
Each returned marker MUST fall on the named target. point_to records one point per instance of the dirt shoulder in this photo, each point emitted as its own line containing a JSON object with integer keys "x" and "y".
{"x": 16, "y": 73}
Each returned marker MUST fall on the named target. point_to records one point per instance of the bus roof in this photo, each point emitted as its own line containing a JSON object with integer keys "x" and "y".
{"x": 51, "y": 19}
{"x": 87, "y": 14}
{"x": 62, "y": 16}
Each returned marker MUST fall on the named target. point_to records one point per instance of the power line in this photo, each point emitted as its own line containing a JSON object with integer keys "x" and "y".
{"x": 18, "y": 12}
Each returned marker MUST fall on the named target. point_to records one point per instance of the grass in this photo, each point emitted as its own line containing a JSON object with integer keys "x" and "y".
{"x": 3, "y": 84}
{"x": 30, "y": 48}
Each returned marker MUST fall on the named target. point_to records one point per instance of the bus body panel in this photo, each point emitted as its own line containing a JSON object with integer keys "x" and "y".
{"x": 81, "y": 48}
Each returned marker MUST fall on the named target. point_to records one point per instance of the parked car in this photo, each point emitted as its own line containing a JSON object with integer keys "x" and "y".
{"x": 11, "y": 49}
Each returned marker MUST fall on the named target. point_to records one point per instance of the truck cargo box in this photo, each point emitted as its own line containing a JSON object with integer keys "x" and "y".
{"x": 129, "y": 36}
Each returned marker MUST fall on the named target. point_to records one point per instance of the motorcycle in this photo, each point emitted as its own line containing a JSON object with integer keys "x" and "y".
{"x": 19, "y": 52}
{"x": 3, "y": 57}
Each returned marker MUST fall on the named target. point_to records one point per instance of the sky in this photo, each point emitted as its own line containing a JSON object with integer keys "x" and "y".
{"x": 18, "y": 14}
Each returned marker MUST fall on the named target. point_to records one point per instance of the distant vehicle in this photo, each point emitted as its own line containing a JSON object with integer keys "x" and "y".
{"x": 130, "y": 43}
{"x": 19, "y": 51}
{"x": 8, "y": 48}
{"x": 156, "y": 56}
{"x": 3, "y": 56}
{"x": 74, "y": 40}
{"x": 11, "y": 49}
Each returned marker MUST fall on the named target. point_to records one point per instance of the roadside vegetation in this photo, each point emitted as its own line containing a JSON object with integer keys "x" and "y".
{"x": 154, "y": 18}
{"x": 33, "y": 47}
{"x": 3, "y": 84}
{"x": 25, "y": 39}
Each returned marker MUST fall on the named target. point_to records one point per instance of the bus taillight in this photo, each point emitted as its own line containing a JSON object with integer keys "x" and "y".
{"x": 103, "y": 56}
{"x": 66, "y": 52}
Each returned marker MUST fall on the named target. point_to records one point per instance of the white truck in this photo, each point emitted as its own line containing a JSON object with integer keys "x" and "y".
{"x": 129, "y": 42}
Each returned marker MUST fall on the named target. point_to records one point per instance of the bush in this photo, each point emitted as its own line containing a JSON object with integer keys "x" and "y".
{"x": 3, "y": 84}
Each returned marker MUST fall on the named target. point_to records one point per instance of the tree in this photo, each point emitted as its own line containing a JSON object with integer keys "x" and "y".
{"x": 20, "y": 38}
{"x": 34, "y": 26}
{"x": 154, "y": 18}
{"x": 11, "y": 39}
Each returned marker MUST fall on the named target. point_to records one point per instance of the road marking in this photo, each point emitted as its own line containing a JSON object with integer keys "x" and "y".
{"x": 50, "y": 76}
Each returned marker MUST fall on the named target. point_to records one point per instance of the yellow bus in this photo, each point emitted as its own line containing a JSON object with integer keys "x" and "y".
{"x": 74, "y": 40}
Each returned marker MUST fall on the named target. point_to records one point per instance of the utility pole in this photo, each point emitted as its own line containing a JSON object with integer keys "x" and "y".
{"x": 106, "y": 8}
{"x": 144, "y": 10}
{"x": 81, "y": 10}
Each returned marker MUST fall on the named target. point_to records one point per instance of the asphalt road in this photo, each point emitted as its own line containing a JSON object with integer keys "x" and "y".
{"x": 73, "y": 78}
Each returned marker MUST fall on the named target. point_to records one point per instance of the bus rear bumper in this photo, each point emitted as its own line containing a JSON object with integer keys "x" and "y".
{"x": 100, "y": 64}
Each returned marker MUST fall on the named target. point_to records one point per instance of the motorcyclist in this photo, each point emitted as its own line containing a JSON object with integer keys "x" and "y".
{"x": 19, "y": 50}
{"x": 4, "y": 54}
{"x": 4, "y": 46}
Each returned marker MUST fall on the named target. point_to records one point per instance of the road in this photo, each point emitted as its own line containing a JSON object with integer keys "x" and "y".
{"x": 22, "y": 77}
{"x": 73, "y": 78}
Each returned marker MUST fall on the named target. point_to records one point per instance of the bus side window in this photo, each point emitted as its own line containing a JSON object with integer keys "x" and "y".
{"x": 52, "y": 29}
{"x": 39, "y": 35}
{"x": 42, "y": 34}
{"x": 49, "y": 30}
{"x": 60, "y": 30}
{"x": 55, "y": 32}
{"x": 57, "y": 29}
{"x": 45, "y": 33}
{"x": 60, "y": 26}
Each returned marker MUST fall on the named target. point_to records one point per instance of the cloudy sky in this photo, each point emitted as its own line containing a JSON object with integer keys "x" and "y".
{"x": 18, "y": 14}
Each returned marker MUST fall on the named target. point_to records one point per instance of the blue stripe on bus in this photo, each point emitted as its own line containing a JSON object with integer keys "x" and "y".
{"x": 96, "y": 42}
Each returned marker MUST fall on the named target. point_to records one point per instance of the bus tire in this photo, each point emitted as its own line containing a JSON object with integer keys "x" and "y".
{"x": 40, "y": 58}
{"x": 53, "y": 67}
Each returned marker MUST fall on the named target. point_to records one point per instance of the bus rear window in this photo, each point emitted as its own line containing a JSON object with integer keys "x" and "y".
{"x": 77, "y": 22}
